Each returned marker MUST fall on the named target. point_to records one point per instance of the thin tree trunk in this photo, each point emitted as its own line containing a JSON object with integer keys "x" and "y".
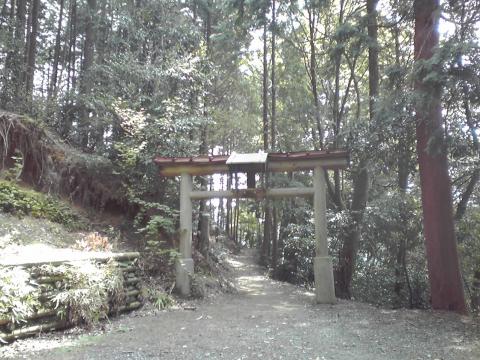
{"x": 17, "y": 73}
{"x": 313, "y": 73}
{"x": 237, "y": 222}
{"x": 8, "y": 72}
{"x": 337, "y": 113}
{"x": 443, "y": 267}
{"x": 373, "y": 72}
{"x": 52, "y": 89}
{"x": 229, "y": 207}
{"x": 273, "y": 232}
{"x": 265, "y": 89}
{"x": 404, "y": 158}
{"x": 87, "y": 79}
{"x": 32, "y": 49}
{"x": 203, "y": 150}
{"x": 273, "y": 80}
{"x": 348, "y": 253}
{"x": 267, "y": 212}
{"x": 68, "y": 112}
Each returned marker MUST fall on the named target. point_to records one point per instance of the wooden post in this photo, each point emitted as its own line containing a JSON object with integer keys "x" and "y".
{"x": 322, "y": 263}
{"x": 184, "y": 266}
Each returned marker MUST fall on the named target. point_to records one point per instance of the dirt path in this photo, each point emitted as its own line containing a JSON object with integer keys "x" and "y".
{"x": 273, "y": 320}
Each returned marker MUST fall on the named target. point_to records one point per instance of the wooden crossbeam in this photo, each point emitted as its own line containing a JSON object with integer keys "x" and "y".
{"x": 252, "y": 193}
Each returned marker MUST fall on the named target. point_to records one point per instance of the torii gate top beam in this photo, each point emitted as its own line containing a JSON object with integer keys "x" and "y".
{"x": 276, "y": 162}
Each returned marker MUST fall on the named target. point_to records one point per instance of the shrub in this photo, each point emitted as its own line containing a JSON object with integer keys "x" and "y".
{"x": 88, "y": 290}
{"x": 93, "y": 242}
{"x": 298, "y": 253}
{"x": 469, "y": 240}
{"x": 18, "y": 297}
{"x": 19, "y": 201}
{"x": 160, "y": 299}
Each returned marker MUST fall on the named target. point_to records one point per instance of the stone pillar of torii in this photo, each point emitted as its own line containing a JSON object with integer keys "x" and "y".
{"x": 318, "y": 161}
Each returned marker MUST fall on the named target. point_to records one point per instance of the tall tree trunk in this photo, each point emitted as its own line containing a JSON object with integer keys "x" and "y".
{"x": 32, "y": 49}
{"x": 229, "y": 207}
{"x": 265, "y": 88}
{"x": 68, "y": 112}
{"x": 203, "y": 150}
{"x": 87, "y": 78}
{"x": 101, "y": 47}
{"x": 19, "y": 47}
{"x": 443, "y": 266}
{"x": 404, "y": 158}
{"x": 337, "y": 117}
{"x": 8, "y": 72}
{"x": 313, "y": 73}
{"x": 72, "y": 41}
{"x": 52, "y": 89}
{"x": 273, "y": 233}
{"x": 348, "y": 253}
{"x": 4, "y": 12}
{"x": 373, "y": 73}
{"x": 273, "y": 80}
{"x": 267, "y": 212}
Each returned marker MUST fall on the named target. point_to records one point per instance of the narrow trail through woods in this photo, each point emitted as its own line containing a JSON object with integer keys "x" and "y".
{"x": 273, "y": 320}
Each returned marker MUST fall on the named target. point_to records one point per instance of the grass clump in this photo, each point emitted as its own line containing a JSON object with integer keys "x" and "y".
{"x": 159, "y": 299}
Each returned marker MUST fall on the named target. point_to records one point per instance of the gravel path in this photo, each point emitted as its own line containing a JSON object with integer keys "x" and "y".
{"x": 272, "y": 320}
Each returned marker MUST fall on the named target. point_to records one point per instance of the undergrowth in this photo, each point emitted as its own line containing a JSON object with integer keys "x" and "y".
{"x": 88, "y": 291}
{"x": 161, "y": 300}
{"x": 20, "y": 201}
{"x": 18, "y": 297}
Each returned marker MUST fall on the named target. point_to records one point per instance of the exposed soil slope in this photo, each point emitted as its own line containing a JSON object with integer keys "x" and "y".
{"x": 272, "y": 320}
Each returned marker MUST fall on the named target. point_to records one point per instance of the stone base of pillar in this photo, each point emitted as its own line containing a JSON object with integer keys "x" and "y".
{"x": 324, "y": 286}
{"x": 183, "y": 272}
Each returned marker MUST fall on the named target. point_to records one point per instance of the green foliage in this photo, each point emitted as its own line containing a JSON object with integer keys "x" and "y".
{"x": 20, "y": 201}
{"x": 299, "y": 246}
{"x": 160, "y": 300}
{"x": 156, "y": 222}
{"x": 299, "y": 252}
{"x": 391, "y": 253}
{"x": 18, "y": 295}
{"x": 163, "y": 220}
{"x": 159, "y": 248}
{"x": 158, "y": 256}
{"x": 162, "y": 84}
{"x": 469, "y": 239}
{"x": 88, "y": 290}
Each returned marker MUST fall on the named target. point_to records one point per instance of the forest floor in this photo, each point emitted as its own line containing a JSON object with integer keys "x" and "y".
{"x": 264, "y": 319}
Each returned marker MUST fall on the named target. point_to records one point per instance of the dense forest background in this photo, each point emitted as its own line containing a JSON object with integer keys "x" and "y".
{"x": 125, "y": 80}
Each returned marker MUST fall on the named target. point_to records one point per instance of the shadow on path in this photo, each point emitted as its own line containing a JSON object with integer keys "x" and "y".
{"x": 273, "y": 320}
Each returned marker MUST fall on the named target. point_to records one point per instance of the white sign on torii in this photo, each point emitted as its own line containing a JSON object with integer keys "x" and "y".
{"x": 319, "y": 161}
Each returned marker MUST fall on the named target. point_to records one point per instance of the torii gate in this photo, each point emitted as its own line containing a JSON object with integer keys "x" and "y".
{"x": 319, "y": 161}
